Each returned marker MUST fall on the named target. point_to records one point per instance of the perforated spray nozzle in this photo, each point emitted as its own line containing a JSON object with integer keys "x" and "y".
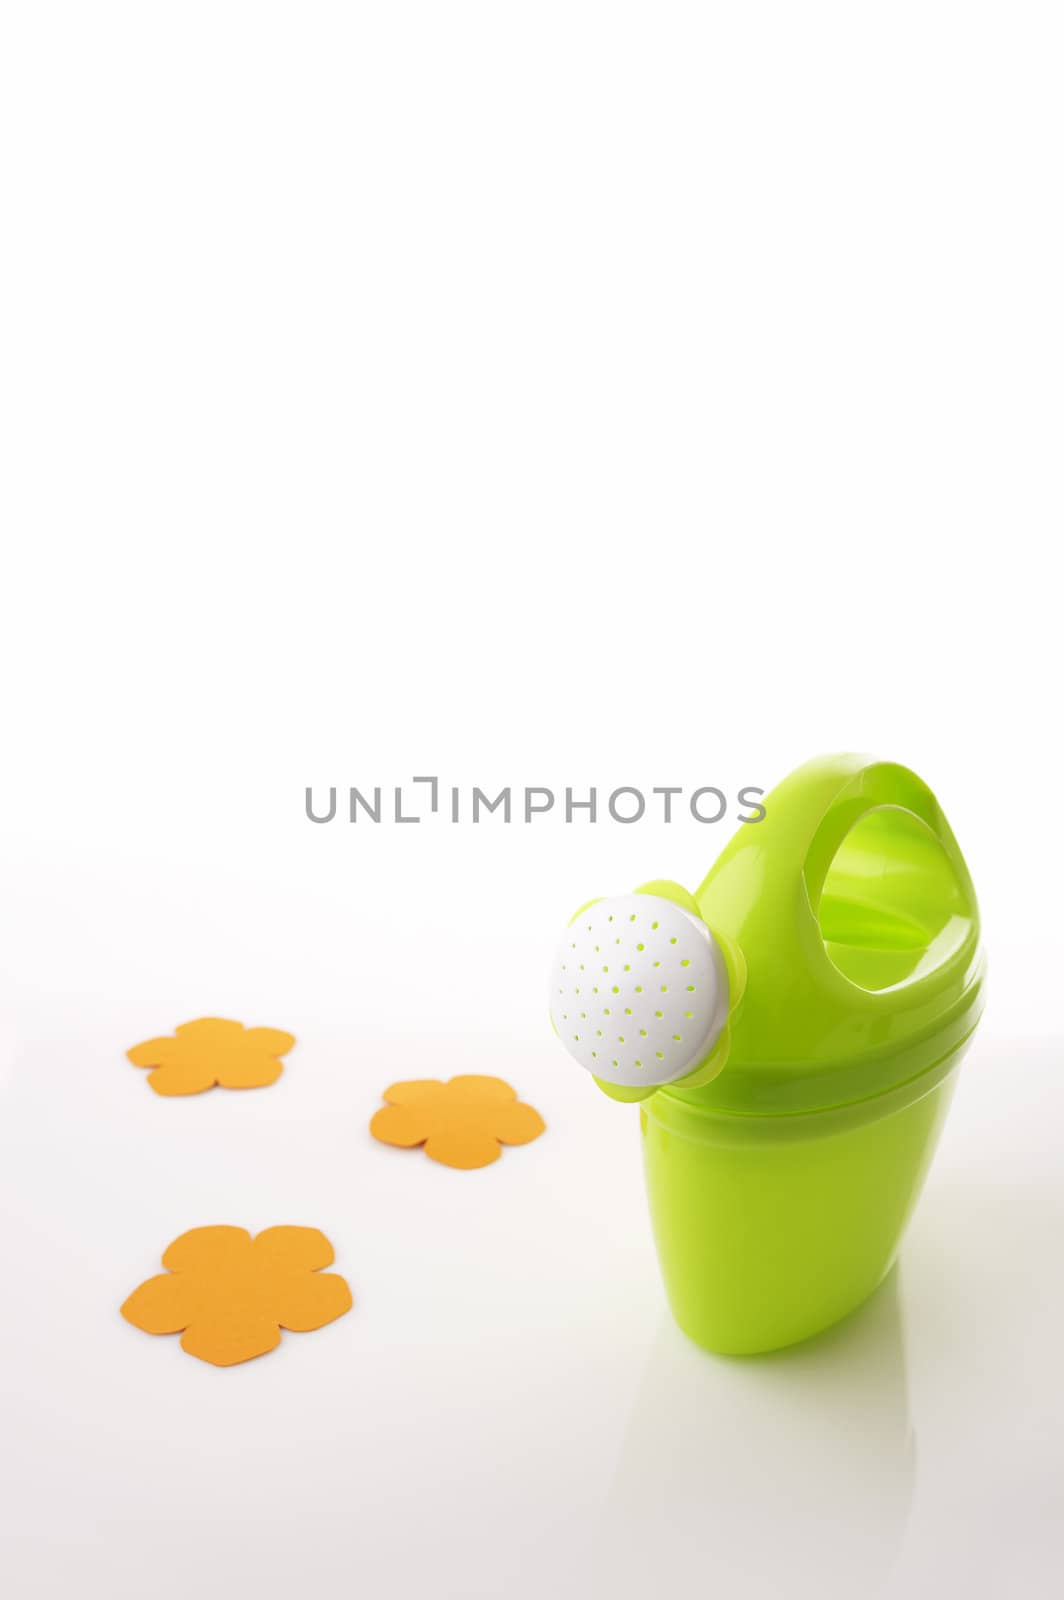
{"x": 639, "y": 992}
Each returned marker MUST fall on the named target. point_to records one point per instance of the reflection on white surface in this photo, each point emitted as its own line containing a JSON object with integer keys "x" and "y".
{"x": 765, "y": 1470}
{"x": 509, "y": 1413}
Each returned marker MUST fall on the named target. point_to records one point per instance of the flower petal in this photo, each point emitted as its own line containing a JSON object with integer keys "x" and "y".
{"x": 413, "y": 1092}
{"x": 308, "y": 1300}
{"x": 456, "y": 1148}
{"x": 470, "y": 1086}
{"x": 518, "y": 1123}
{"x": 209, "y": 1031}
{"x": 164, "y": 1304}
{"x": 183, "y": 1077}
{"x": 293, "y": 1249}
{"x": 399, "y": 1125}
{"x": 272, "y": 1040}
{"x": 206, "y": 1249}
{"x": 226, "y": 1339}
{"x": 248, "y": 1072}
{"x": 154, "y": 1052}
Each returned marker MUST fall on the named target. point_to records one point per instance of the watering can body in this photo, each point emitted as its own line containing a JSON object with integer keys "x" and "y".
{"x": 782, "y": 1170}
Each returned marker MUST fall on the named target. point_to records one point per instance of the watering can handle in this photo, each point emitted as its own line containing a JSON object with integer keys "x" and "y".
{"x": 807, "y": 1034}
{"x": 864, "y": 786}
{"x": 764, "y": 891}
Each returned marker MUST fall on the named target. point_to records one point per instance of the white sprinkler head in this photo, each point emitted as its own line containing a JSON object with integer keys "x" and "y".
{"x": 639, "y": 990}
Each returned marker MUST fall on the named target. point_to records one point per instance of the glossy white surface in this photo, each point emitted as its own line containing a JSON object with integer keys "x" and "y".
{"x": 509, "y": 1407}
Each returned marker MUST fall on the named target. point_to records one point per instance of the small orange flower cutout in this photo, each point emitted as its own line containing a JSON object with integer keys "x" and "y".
{"x": 229, "y": 1295}
{"x": 212, "y": 1050}
{"x": 462, "y": 1122}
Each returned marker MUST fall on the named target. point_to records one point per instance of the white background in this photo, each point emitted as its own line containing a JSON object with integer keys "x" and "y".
{"x": 557, "y": 394}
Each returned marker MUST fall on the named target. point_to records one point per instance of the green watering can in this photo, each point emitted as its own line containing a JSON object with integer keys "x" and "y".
{"x": 792, "y": 1032}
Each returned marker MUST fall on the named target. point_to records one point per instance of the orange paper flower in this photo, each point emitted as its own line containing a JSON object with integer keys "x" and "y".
{"x": 461, "y": 1123}
{"x": 212, "y": 1050}
{"x": 229, "y": 1295}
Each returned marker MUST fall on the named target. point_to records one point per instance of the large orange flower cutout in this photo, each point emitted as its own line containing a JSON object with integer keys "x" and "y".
{"x": 213, "y": 1050}
{"x": 229, "y": 1295}
{"x": 462, "y": 1122}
